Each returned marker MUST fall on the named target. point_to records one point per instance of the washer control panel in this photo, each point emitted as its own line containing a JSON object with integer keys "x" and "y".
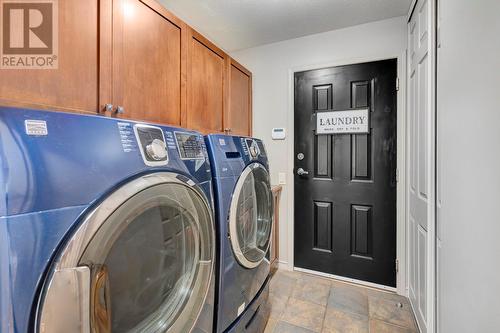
{"x": 190, "y": 146}
{"x": 152, "y": 144}
{"x": 253, "y": 148}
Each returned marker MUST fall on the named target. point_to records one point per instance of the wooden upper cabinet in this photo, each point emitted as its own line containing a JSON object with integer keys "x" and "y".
{"x": 74, "y": 85}
{"x": 239, "y": 113}
{"x": 147, "y": 62}
{"x": 137, "y": 57}
{"x": 205, "y": 85}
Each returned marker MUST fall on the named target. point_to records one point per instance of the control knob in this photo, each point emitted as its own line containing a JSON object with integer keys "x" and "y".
{"x": 156, "y": 150}
{"x": 254, "y": 150}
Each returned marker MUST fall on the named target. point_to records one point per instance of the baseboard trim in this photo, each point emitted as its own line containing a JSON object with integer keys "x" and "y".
{"x": 345, "y": 279}
{"x": 283, "y": 265}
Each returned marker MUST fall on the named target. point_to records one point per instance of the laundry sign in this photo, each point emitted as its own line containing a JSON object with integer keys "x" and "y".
{"x": 343, "y": 122}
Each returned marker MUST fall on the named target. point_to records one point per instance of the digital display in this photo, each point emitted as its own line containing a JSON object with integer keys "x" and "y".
{"x": 190, "y": 146}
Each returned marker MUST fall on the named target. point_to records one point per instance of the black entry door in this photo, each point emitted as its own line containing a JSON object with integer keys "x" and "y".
{"x": 345, "y": 207}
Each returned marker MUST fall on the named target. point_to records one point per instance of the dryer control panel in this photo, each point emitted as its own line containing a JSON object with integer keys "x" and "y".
{"x": 152, "y": 144}
{"x": 190, "y": 146}
{"x": 251, "y": 146}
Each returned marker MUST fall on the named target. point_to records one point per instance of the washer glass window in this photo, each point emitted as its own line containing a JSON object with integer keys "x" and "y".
{"x": 251, "y": 216}
{"x": 150, "y": 261}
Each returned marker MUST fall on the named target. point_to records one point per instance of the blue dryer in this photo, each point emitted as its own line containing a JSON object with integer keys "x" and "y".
{"x": 244, "y": 213}
{"x": 105, "y": 226}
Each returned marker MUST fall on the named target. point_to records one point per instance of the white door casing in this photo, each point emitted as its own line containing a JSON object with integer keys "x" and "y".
{"x": 421, "y": 163}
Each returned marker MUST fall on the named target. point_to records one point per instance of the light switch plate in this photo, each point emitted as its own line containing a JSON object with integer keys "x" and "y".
{"x": 282, "y": 178}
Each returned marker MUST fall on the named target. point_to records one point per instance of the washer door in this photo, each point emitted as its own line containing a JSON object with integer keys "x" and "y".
{"x": 251, "y": 216}
{"x": 141, "y": 262}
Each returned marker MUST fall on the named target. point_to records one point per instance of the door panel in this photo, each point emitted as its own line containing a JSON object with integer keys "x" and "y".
{"x": 345, "y": 211}
{"x": 323, "y": 167}
{"x": 421, "y": 163}
{"x": 323, "y": 225}
{"x": 238, "y": 117}
{"x": 412, "y": 236}
{"x": 361, "y": 157}
{"x": 361, "y": 231}
{"x": 146, "y": 62}
{"x": 206, "y": 71}
{"x": 74, "y": 85}
{"x": 422, "y": 272}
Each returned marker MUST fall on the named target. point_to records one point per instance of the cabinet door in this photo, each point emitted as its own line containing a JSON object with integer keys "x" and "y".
{"x": 239, "y": 112}
{"x": 205, "y": 96}
{"x": 147, "y": 62}
{"x": 74, "y": 85}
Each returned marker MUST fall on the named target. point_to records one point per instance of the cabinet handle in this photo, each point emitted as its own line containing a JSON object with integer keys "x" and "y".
{"x": 120, "y": 110}
{"x": 108, "y": 107}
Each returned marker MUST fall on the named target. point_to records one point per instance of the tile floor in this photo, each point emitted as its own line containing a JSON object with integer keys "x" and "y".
{"x": 302, "y": 303}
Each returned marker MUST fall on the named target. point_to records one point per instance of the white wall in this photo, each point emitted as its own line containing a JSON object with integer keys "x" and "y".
{"x": 271, "y": 66}
{"x": 469, "y": 166}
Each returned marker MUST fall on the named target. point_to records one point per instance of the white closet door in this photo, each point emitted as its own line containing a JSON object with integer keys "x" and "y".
{"x": 421, "y": 166}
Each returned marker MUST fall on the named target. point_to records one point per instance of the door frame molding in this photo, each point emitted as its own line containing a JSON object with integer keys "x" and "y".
{"x": 401, "y": 241}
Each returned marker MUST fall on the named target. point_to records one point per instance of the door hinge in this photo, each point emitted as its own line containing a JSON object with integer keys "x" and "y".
{"x": 397, "y": 175}
{"x": 397, "y": 266}
{"x": 397, "y": 84}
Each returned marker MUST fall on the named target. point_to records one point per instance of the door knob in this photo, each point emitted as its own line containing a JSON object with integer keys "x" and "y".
{"x": 302, "y": 172}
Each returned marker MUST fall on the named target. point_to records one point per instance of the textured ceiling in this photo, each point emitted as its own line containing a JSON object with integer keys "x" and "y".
{"x": 240, "y": 24}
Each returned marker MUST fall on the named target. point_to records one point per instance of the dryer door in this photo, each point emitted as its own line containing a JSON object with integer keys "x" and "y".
{"x": 251, "y": 216}
{"x": 141, "y": 262}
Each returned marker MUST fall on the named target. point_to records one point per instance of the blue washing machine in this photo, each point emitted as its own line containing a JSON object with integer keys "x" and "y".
{"x": 106, "y": 225}
{"x": 244, "y": 213}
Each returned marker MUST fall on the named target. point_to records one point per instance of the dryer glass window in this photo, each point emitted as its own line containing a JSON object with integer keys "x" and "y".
{"x": 251, "y": 216}
{"x": 151, "y": 262}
